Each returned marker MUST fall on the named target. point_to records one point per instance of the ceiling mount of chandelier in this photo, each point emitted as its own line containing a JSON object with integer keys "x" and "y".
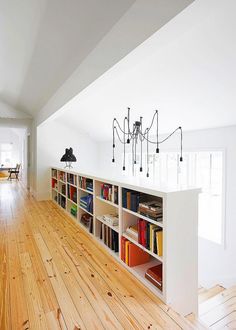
{"x": 139, "y": 138}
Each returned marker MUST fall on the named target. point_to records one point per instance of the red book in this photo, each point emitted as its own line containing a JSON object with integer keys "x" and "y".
{"x": 137, "y": 256}
{"x": 143, "y": 233}
{"x": 154, "y": 275}
{"x": 139, "y": 230}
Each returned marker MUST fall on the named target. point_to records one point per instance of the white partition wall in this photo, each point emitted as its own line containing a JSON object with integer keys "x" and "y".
{"x": 80, "y": 196}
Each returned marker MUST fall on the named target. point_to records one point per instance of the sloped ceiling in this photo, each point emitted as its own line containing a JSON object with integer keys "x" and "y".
{"x": 42, "y": 42}
{"x": 187, "y": 70}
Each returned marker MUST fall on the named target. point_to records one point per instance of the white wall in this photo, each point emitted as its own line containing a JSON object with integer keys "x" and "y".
{"x": 216, "y": 262}
{"x": 53, "y": 138}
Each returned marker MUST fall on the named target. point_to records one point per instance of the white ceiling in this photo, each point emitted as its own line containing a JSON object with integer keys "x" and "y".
{"x": 43, "y": 41}
{"x": 187, "y": 70}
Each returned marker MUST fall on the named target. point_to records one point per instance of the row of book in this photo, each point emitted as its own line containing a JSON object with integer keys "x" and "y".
{"x": 131, "y": 254}
{"x": 86, "y": 183}
{"x": 130, "y": 199}
{"x": 109, "y": 192}
{"x": 62, "y": 201}
{"x": 71, "y": 178}
{"x": 62, "y": 176}
{"x": 72, "y": 193}
{"x": 87, "y": 202}
{"x": 63, "y": 189}
{"x": 148, "y": 235}
{"x": 54, "y": 183}
{"x": 109, "y": 237}
{"x": 87, "y": 220}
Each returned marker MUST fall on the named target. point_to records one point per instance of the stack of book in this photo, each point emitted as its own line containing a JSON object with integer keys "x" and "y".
{"x": 131, "y": 254}
{"x": 86, "y": 183}
{"x": 87, "y": 220}
{"x": 132, "y": 231}
{"x": 111, "y": 219}
{"x": 154, "y": 275}
{"x": 150, "y": 236}
{"x": 73, "y": 210}
{"x": 109, "y": 237}
{"x": 109, "y": 192}
{"x": 130, "y": 199}
{"x": 87, "y": 203}
{"x": 152, "y": 210}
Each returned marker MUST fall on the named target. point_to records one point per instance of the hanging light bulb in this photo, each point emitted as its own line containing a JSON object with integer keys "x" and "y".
{"x": 136, "y": 135}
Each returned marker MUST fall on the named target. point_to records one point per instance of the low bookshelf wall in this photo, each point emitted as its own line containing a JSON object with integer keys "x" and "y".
{"x": 152, "y": 232}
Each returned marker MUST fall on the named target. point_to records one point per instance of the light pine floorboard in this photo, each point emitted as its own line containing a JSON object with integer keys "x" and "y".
{"x": 53, "y": 275}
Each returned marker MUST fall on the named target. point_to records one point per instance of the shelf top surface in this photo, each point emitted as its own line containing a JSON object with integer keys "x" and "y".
{"x": 140, "y": 184}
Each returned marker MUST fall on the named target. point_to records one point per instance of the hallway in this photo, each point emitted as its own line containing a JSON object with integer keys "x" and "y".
{"x": 54, "y": 276}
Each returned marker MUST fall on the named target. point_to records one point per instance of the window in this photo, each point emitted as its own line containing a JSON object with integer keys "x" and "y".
{"x": 6, "y": 154}
{"x": 202, "y": 169}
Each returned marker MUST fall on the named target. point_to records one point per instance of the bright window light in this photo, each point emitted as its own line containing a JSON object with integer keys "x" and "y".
{"x": 6, "y": 154}
{"x": 203, "y": 169}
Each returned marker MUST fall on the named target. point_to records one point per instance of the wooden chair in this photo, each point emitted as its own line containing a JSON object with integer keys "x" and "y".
{"x": 15, "y": 171}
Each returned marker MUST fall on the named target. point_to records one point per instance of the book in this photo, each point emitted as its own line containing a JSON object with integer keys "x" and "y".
{"x": 127, "y": 243}
{"x": 148, "y": 236}
{"x": 124, "y": 199}
{"x": 112, "y": 219}
{"x": 154, "y": 275}
{"x": 159, "y": 239}
{"x": 139, "y": 230}
{"x": 123, "y": 240}
{"x": 133, "y": 231}
{"x": 136, "y": 256}
{"x": 128, "y": 197}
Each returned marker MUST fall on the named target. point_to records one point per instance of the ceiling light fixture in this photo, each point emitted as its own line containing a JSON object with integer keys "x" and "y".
{"x": 137, "y": 134}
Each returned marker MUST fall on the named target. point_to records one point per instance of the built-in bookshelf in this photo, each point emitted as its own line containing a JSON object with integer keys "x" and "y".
{"x": 151, "y": 232}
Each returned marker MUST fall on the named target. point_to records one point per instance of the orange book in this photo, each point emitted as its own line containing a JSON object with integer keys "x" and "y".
{"x": 159, "y": 238}
{"x": 128, "y": 196}
{"x": 127, "y": 244}
{"x": 137, "y": 256}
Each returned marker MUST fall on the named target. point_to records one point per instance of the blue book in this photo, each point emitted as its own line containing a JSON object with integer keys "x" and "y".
{"x": 124, "y": 199}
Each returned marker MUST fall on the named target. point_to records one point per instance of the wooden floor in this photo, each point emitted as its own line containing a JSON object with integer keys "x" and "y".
{"x": 54, "y": 276}
{"x": 217, "y": 308}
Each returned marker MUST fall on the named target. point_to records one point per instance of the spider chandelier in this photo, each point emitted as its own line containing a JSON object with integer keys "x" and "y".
{"x": 136, "y": 136}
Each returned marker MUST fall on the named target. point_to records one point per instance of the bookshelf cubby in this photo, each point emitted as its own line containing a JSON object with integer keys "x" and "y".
{"x": 159, "y": 224}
